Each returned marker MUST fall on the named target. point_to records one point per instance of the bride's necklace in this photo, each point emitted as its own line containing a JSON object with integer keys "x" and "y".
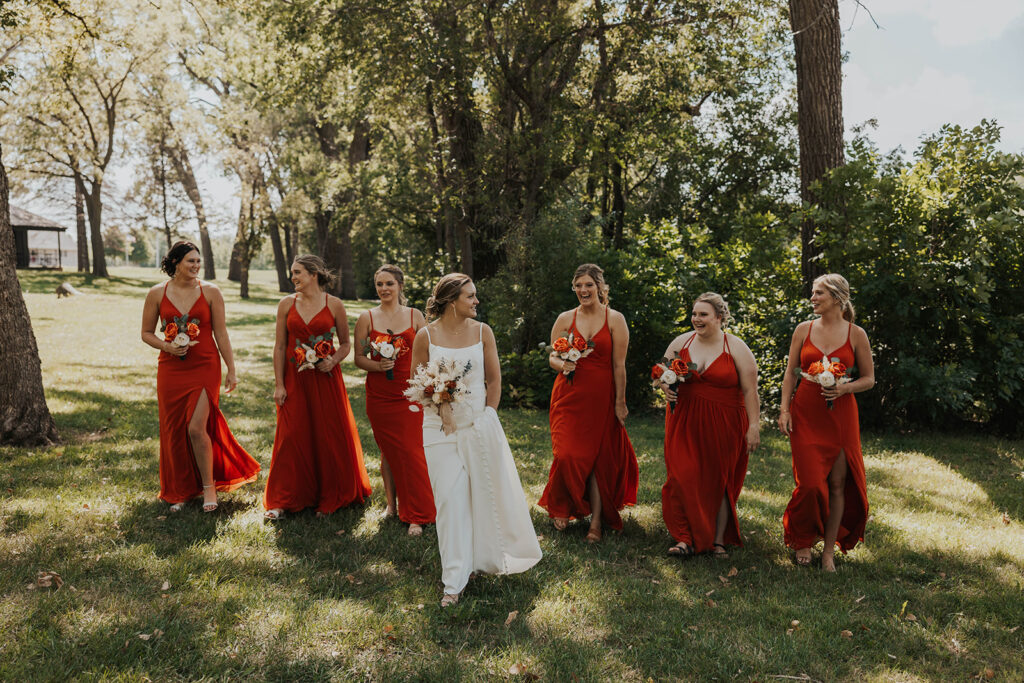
{"x": 462, "y": 328}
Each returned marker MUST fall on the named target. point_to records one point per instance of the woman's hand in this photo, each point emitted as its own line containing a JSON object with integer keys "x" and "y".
{"x": 753, "y": 437}
{"x": 280, "y": 395}
{"x": 568, "y": 366}
{"x": 174, "y": 350}
{"x": 386, "y": 364}
{"x": 230, "y": 381}
{"x": 835, "y": 391}
{"x": 325, "y": 365}
{"x": 670, "y": 393}
{"x": 621, "y": 412}
{"x": 785, "y": 423}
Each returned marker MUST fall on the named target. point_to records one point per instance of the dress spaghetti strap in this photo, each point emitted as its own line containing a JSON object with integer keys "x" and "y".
{"x": 689, "y": 341}
{"x": 371, "y": 320}
{"x": 429, "y": 340}
{"x": 481, "y": 339}
{"x": 412, "y": 320}
{"x": 725, "y": 343}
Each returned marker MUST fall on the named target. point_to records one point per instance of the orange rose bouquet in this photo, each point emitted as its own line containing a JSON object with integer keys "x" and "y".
{"x": 571, "y": 347}
{"x": 181, "y": 331}
{"x": 307, "y": 354}
{"x": 672, "y": 372}
{"x": 827, "y": 373}
{"x": 389, "y": 346}
{"x": 439, "y": 384}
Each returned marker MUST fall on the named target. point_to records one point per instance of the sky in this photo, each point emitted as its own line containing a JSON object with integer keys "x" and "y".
{"x": 928, "y": 63}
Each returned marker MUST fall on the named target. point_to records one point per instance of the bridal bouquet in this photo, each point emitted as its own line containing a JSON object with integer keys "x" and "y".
{"x": 439, "y": 384}
{"x": 572, "y": 347}
{"x": 672, "y": 372}
{"x": 307, "y": 354}
{"x": 388, "y": 346}
{"x": 181, "y": 331}
{"x": 827, "y": 373}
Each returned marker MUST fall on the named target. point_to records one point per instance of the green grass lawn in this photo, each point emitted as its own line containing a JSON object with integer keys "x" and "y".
{"x": 935, "y": 593}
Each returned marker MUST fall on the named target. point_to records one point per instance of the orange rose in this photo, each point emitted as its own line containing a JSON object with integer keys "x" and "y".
{"x": 579, "y": 343}
{"x": 679, "y": 367}
{"x": 382, "y": 338}
{"x": 657, "y": 371}
{"x": 323, "y": 348}
{"x": 428, "y": 390}
{"x": 170, "y": 332}
{"x": 398, "y": 343}
{"x": 300, "y": 355}
{"x": 561, "y": 345}
{"x": 451, "y": 384}
{"x": 838, "y": 369}
{"x": 193, "y": 330}
{"x": 816, "y": 368}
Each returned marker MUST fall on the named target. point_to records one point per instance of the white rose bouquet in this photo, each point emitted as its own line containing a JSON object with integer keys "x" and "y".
{"x": 439, "y": 384}
{"x": 827, "y": 373}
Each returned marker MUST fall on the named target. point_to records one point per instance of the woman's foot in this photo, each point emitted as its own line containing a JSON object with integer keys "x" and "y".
{"x": 275, "y": 514}
{"x": 560, "y": 523}
{"x": 828, "y": 562}
{"x": 177, "y": 507}
{"x": 415, "y": 530}
{"x": 803, "y": 557}
{"x": 719, "y": 551}
{"x": 209, "y": 497}
{"x": 681, "y": 550}
{"x": 594, "y": 535}
{"x": 450, "y": 599}
{"x": 389, "y": 512}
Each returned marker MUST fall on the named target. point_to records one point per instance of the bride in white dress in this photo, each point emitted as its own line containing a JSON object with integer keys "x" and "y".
{"x": 483, "y": 520}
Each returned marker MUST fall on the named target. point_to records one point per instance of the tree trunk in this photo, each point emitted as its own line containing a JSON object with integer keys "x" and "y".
{"x": 819, "y": 82}
{"x": 183, "y": 168}
{"x": 94, "y": 209}
{"x": 83, "y": 237}
{"x": 25, "y": 419}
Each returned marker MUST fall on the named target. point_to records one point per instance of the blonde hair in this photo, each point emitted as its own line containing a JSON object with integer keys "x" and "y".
{"x": 839, "y": 288}
{"x": 718, "y": 303}
{"x": 399, "y": 278}
{"x": 597, "y": 275}
{"x": 315, "y": 265}
{"x": 446, "y": 291}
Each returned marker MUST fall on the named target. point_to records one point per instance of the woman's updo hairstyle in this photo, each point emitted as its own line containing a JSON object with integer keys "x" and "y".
{"x": 315, "y": 265}
{"x": 399, "y": 276}
{"x": 717, "y": 302}
{"x": 597, "y": 275}
{"x": 176, "y": 255}
{"x": 836, "y": 285}
{"x": 446, "y": 291}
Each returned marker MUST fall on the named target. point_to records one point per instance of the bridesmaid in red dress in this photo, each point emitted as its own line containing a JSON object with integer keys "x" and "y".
{"x": 317, "y": 460}
{"x": 709, "y": 434}
{"x": 594, "y": 471}
{"x": 198, "y": 453}
{"x": 830, "y": 500}
{"x": 397, "y": 430}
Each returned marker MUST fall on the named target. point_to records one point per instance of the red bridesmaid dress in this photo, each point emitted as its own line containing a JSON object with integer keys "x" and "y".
{"x": 705, "y": 453}
{"x": 587, "y": 437}
{"x": 317, "y": 459}
{"x": 179, "y": 384}
{"x": 399, "y": 434}
{"x": 818, "y": 435}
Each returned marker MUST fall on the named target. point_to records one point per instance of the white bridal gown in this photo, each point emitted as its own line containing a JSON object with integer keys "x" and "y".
{"x": 483, "y": 520}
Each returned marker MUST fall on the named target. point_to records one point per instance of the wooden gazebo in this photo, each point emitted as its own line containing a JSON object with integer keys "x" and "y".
{"x": 24, "y": 222}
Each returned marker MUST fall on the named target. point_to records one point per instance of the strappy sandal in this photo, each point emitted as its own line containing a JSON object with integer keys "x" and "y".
{"x": 177, "y": 507}
{"x": 209, "y": 507}
{"x": 560, "y": 523}
{"x": 415, "y": 530}
{"x": 802, "y": 561}
{"x": 722, "y": 554}
{"x": 681, "y": 550}
{"x": 594, "y": 535}
{"x": 450, "y": 599}
{"x": 274, "y": 515}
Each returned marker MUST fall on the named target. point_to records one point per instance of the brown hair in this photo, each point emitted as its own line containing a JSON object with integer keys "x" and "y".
{"x": 597, "y": 275}
{"x": 446, "y": 291}
{"x": 836, "y": 285}
{"x": 399, "y": 278}
{"x": 717, "y": 302}
{"x": 176, "y": 255}
{"x": 315, "y": 265}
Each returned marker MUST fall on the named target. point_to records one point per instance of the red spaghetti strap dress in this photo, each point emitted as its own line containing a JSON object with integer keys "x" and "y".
{"x": 179, "y": 384}
{"x": 819, "y": 434}
{"x": 317, "y": 460}
{"x": 705, "y": 453}
{"x": 587, "y": 437}
{"x": 399, "y": 434}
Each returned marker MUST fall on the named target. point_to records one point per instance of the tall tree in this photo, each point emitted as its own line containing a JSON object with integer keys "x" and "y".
{"x": 819, "y": 83}
{"x": 25, "y": 419}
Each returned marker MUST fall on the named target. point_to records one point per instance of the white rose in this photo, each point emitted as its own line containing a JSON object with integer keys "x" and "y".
{"x": 573, "y": 355}
{"x": 436, "y": 397}
{"x": 827, "y": 379}
{"x": 310, "y": 355}
{"x": 181, "y": 339}
{"x": 669, "y": 377}
{"x": 438, "y": 388}
{"x": 386, "y": 350}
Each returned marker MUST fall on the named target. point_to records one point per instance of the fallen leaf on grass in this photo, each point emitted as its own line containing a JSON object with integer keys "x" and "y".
{"x": 540, "y": 537}
{"x": 339, "y": 532}
{"x": 511, "y": 617}
{"x": 1006, "y": 518}
{"x": 155, "y": 634}
{"x": 655, "y": 581}
{"x": 846, "y": 634}
{"x": 350, "y": 578}
{"x": 942, "y": 575}
{"x": 710, "y": 603}
{"x": 709, "y": 593}
{"x": 46, "y": 580}
{"x": 166, "y": 586}
{"x": 724, "y": 580}
{"x": 85, "y": 506}
{"x": 161, "y": 518}
{"x": 910, "y": 617}
{"x": 419, "y": 606}
{"x": 860, "y": 599}
{"x": 733, "y": 572}
{"x": 388, "y": 628}
{"x": 795, "y": 623}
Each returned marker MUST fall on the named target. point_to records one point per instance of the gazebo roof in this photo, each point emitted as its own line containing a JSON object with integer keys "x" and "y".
{"x": 20, "y": 218}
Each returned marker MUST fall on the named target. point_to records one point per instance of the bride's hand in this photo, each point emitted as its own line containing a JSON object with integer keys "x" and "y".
{"x": 568, "y": 366}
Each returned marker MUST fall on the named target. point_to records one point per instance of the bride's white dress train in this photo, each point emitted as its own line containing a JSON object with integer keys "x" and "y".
{"x": 483, "y": 520}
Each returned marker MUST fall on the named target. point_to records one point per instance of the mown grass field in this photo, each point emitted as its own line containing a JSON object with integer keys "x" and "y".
{"x": 934, "y": 594}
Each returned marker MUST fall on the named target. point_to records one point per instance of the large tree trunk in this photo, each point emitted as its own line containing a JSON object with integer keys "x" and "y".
{"x": 819, "y": 84}
{"x": 183, "y": 168}
{"x": 25, "y": 419}
{"x": 94, "y": 209}
{"x": 83, "y": 237}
